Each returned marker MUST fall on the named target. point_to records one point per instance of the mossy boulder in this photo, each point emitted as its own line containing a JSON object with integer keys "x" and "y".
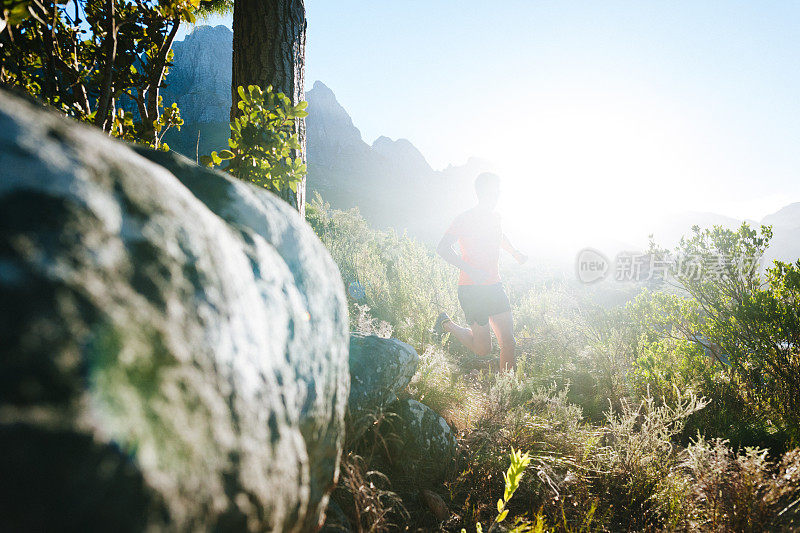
{"x": 174, "y": 342}
{"x": 379, "y": 370}
{"x": 420, "y": 440}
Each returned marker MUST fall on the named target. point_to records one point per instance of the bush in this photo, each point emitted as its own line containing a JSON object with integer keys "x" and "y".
{"x": 740, "y": 492}
{"x": 752, "y": 326}
{"x": 438, "y": 385}
{"x": 398, "y": 278}
{"x": 264, "y": 148}
{"x": 94, "y": 61}
{"x": 606, "y": 397}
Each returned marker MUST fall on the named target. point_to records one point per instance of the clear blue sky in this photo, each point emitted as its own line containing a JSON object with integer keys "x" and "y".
{"x": 695, "y": 103}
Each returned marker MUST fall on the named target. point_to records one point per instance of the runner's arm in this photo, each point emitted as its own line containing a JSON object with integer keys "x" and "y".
{"x": 508, "y": 247}
{"x": 446, "y": 251}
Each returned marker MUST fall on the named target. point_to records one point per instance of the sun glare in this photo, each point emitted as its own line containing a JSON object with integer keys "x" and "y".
{"x": 582, "y": 172}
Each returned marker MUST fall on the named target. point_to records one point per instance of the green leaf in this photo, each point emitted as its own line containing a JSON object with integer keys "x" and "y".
{"x": 226, "y": 154}
{"x": 206, "y": 161}
{"x": 500, "y": 505}
{"x": 502, "y": 516}
{"x": 216, "y": 158}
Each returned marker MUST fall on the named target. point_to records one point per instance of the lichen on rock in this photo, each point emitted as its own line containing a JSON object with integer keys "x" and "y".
{"x": 174, "y": 341}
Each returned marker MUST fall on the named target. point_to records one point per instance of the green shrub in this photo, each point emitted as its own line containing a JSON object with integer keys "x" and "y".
{"x": 90, "y": 60}
{"x": 511, "y": 478}
{"x": 605, "y": 397}
{"x": 743, "y": 491}
{"x": 751, "y": 325}
{"x": 438, "y": 385}
{"x": 403, "y": 283}
{"x": 264, "y": 148}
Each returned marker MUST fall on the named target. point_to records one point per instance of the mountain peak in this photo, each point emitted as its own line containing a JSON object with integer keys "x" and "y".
{"x": 321, "y": 95}
{"x": 401, "y": 149}
{"x": 204, "y": 31}
{"x": 321, "y": 87}
{"x": 788, "y": 216}
{"x": 331, "y": 127}
{"x": 384, "y": 141}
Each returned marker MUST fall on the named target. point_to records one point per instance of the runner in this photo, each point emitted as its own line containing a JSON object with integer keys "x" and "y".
{"x": 480, "y": 292}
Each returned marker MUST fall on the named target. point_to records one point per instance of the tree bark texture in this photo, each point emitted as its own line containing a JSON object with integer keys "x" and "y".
{"x": 269, "y": 47}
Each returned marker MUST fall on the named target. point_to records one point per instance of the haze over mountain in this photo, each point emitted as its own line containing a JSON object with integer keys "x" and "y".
{"x": 200, "y": 80}
{"x": 390, "y": 181}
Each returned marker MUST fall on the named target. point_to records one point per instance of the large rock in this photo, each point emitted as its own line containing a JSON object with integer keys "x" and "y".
{"x": 379, "y": 369}
{"x": 420, "y": 440}
{"x": 174, "y": 342}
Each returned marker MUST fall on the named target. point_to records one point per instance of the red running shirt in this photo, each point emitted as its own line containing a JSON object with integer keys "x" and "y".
{"x": 479, "y": 236}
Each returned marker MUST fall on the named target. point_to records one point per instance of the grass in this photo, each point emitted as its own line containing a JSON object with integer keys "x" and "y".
{"x": 627, "y": 429}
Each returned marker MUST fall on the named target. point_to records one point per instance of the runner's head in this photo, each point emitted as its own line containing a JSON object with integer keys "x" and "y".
{"x": 487, "y": 188}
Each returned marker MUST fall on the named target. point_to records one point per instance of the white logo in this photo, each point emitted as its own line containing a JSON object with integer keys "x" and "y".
{"x": 591, "y": 265}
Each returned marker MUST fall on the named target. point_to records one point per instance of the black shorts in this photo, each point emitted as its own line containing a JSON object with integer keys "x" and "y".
{"x": 479, "y": 302}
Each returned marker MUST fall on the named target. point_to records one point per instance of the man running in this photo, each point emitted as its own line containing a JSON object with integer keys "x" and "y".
{"x": 480, "y": 292}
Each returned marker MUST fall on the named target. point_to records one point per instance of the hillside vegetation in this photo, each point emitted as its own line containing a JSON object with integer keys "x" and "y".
{"x": 660, "y": 408}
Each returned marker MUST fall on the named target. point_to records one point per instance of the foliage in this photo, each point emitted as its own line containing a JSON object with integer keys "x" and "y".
{"x": 749, "y": 325}
{"x": 214, "y": 7}
{"x": 364, "y": 322}
{"x": 372, "y": 505}
{"x": 125, "y": 128}
{"x": 14, "y": 12}
{"x": 608, "y": 397}
{"x": 512, "y": 478}
{"x": 98, "y": 62}
{"x": 743, "y": 491}
{"x": 403, "y": 284}
{"x": 438, "y": 385}
{"x": 263, "y": 147}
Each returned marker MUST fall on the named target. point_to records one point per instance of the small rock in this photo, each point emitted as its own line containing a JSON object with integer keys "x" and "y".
{"x": 421, "y": 439}
{"x": 379, "y": 369}
{"x": 436, "y": 505}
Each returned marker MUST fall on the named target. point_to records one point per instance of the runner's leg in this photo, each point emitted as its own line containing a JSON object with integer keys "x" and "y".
{"x": 503, "y": 326}
{"x": 477, "y": 338}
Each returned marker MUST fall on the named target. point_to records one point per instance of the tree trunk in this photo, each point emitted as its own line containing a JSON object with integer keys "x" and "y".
{"x": 269, "y": 48}
{"x": 103, "y": 101}
{"x": 157, "y": 67}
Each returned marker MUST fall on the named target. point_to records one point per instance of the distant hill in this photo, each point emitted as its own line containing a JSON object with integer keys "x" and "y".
{"x": 785, "y": 244}
{"x": 389, "y": 181}
{"x": 786, "y": 233}
{"x": 668, "y": 229}
{"x": 200, "y": 80}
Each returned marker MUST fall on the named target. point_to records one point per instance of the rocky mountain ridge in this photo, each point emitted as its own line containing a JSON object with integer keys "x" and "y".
{"x": 390, "y": 181}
